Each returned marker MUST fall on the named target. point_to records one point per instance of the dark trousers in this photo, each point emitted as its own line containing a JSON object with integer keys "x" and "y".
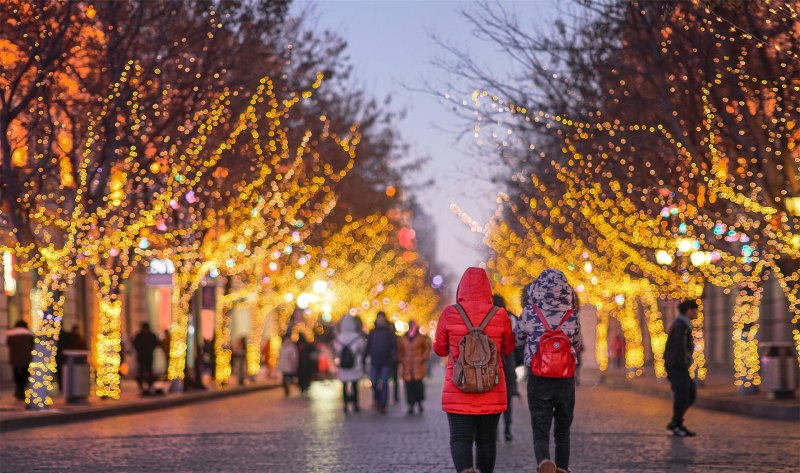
{"x": 145, "y": 378}
{"x": 685, "y": 393}
{"x": 508, "y": 413}
{"x": 480, "y": 430}
{"x": 380, "y": 389}
{"x": 415, "y": 392}
{"x": 287, "y": 380}
{"x": 395, "y": 380}
{"x": 20, "y": 381}
{"x": 304, "y": 375}
{"x": 551, "y": 399}
{"x": 350, "y": 392}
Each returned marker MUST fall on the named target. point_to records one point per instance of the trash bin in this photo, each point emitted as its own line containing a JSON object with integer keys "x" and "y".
{"x": 76, "y": 376}
{"x": 778, "y": 369}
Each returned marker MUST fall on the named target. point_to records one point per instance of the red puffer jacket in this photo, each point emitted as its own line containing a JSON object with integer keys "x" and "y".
{"x": 475, "y": 296}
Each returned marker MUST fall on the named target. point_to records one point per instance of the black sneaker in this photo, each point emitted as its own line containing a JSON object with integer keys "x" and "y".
{"x": 508, "y": 436}
{"x": 671, "y": 425}
{"x": 682, "y": 431}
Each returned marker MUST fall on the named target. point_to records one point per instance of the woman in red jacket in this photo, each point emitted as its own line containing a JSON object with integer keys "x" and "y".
{"x": 473, "y": 417}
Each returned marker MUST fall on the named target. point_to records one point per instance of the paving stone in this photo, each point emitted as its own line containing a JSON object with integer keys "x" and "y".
{"x": 614, "y": 431}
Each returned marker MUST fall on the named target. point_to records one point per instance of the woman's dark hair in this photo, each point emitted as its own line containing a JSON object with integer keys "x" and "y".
{"x": 687, "y": 305}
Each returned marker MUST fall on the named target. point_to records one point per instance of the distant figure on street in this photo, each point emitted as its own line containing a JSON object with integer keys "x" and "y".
{"x": 618, "y": 351}
{"x": 394, "y": 379}
{"x": 288, "y": 359}
{"x": 165, "y": 342}
{"x": 382, "y": 353}
{"x": 677, "y": 360}
{"x": 240, "y": 360}
{"x": 579, "y": 354}
{"x": 349, "y": 346}
{"x": 79, "y": 343}
{"x": 413, "y": 350}
{"x": 145, "y": 344}
{"x": 476, "y": 396}
{"x": 510, "y": 371}
{"x": 305, "y": 363}
{"x": 549, "y": 328}
{"x": 67, "y": 340}
{"x": 20, "y": 351}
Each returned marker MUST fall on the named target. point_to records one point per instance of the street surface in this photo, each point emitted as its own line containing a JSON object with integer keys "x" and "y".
{"x": 614, "y": 431}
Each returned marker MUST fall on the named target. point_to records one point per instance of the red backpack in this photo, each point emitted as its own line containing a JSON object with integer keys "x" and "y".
{"x": 553, "y": 358}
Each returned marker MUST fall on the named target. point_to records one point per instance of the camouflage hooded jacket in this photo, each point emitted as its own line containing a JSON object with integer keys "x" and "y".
{"x": 554, "y": 296}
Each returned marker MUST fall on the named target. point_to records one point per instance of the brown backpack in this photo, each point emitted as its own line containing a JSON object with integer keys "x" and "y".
{"x": 477, "y": 369}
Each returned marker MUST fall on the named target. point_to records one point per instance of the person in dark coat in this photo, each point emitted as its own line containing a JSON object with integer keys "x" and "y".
{"x": 20, "y": 351}
{"x": 68, "y": 340}
{"x": 145, "y": 344}
{"x": 510, "y": 371}
{"x": 305, "y": 363}
{"x": 382, "y": 353}
{"x": 677, "y": 361}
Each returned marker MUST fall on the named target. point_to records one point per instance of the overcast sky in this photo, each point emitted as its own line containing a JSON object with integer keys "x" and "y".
{"x": 391, "y": 48}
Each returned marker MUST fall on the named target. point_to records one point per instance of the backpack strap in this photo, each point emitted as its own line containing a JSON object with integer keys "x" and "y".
{"x": 464, "y": 317}
{"x": 565, "y": 318}
{"x": 468, "y": 322}
{"x": 547, "y": 324}
{"x": 488, "y": 317}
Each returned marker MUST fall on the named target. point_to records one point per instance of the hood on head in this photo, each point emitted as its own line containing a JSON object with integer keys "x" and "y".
{"x": 474, "y": 287}
{"x": 348, "y": 324}
{"x": 551, "y": 292}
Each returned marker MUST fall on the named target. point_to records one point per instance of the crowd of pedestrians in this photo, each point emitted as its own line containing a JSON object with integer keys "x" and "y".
{"x": 380, "y": 356}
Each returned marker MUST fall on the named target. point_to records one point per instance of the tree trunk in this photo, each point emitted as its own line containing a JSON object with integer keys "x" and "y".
{"x": 222, "y": 338}
{"x": 43, "y": 364}
{"x": 746, "y": 363}
{"x": 109, "y": 343}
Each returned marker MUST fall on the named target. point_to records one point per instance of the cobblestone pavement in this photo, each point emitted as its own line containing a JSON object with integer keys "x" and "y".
{"x": 614, "y": 431}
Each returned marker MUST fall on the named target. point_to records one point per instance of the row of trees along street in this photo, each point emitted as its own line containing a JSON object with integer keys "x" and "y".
{"x": 225, "y": 136}
{"x": 653, "y": 149}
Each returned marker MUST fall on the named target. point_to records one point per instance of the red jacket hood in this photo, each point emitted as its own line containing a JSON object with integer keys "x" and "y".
{"x": 474, "y": 287}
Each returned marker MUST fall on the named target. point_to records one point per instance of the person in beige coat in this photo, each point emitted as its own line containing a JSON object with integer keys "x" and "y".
{"x": 413, "y": 350}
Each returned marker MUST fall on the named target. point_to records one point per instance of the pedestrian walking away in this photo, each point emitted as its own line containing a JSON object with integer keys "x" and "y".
{"x": 549, "y": 329}
{"x": 288, "y": 359}
{"x": 382, "y": 353}
{"x": 618, "y": 351}
{"x": 67, "y": 340}
{"x": 349, "y": 346}
{"x": 145, "y": 343}
{"x": 510, "y": 371}
{"x": 20, "y": 351}
{"x": 474, "y": 336}
{"x": 305, "y": 362}
{"x": 413, "y": 351}
{"x": 677, "y": 361}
